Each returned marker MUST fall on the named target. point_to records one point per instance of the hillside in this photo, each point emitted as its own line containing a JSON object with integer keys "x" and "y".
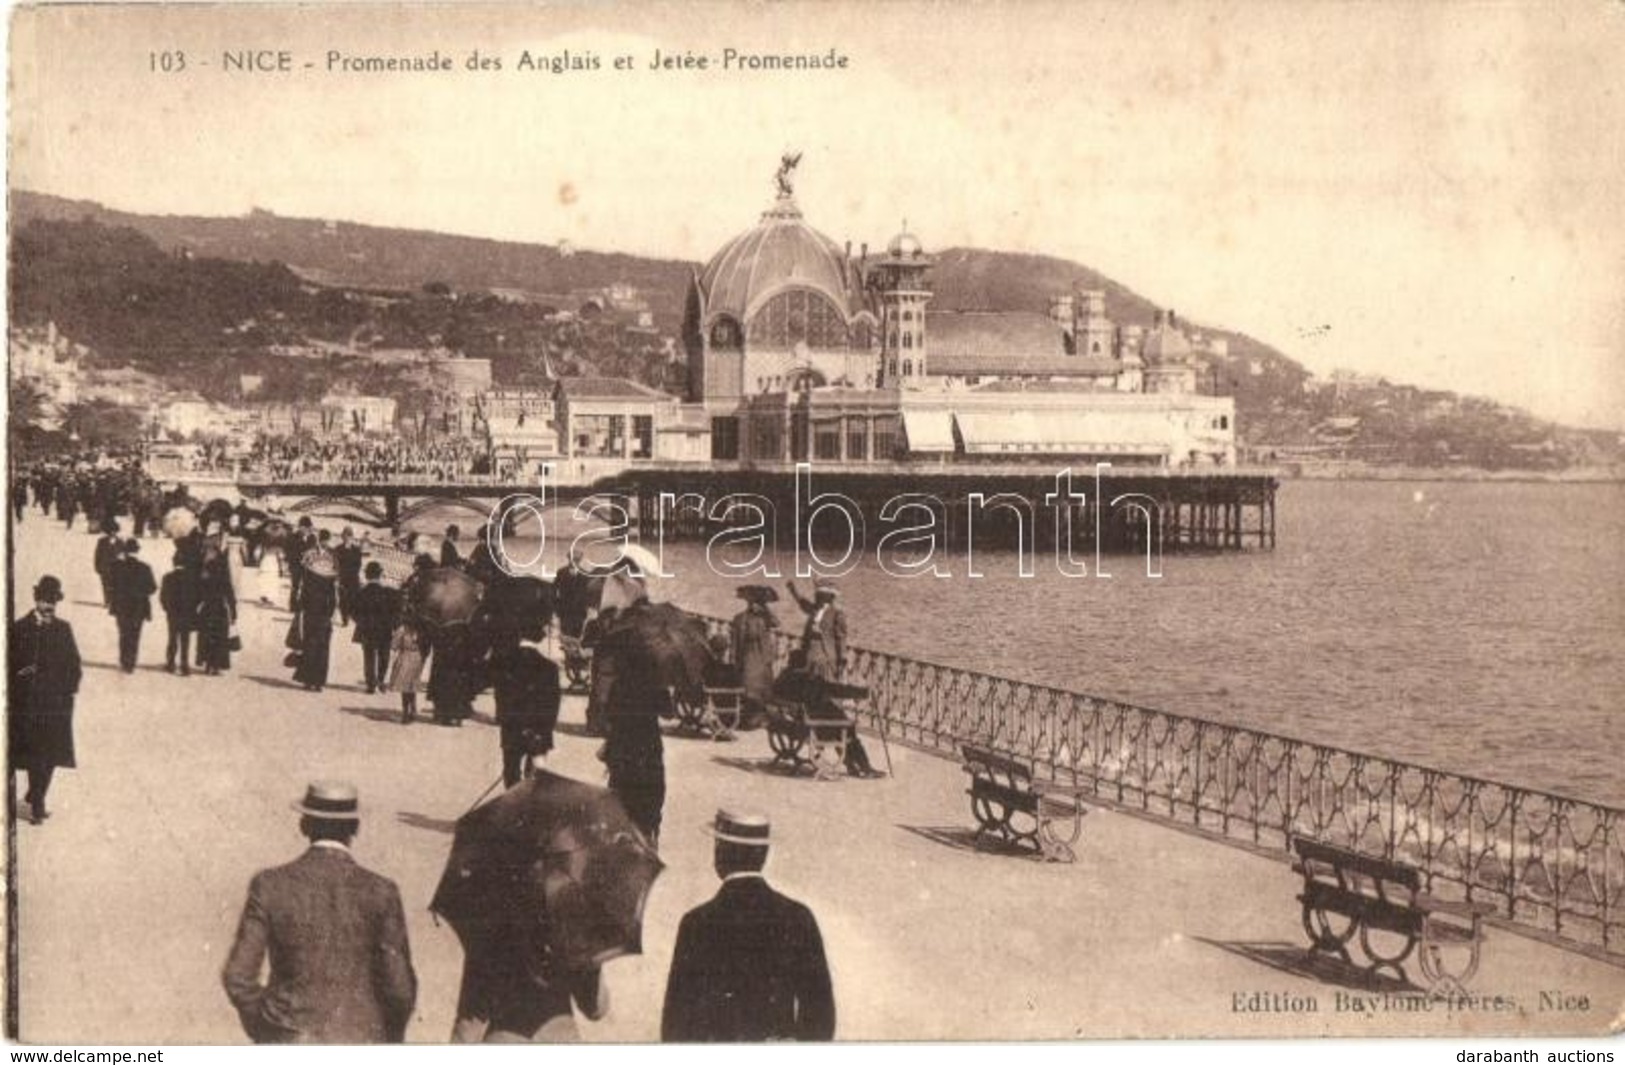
{"x": 342, "y": 254}
{"x": 199, "y": 300}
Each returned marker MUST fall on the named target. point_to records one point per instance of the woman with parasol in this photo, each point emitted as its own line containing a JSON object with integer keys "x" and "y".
{"x": 751, "y": 634}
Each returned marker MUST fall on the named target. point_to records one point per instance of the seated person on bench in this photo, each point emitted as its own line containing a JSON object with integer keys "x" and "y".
{"x": 796, "y": 685}
{"x": 719, "y": 672}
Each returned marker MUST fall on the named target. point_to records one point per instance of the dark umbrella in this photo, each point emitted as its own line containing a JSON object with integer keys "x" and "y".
{"x": 554, "y": 864}
{"x": 661, "y": 638}
{"x": 217, "y": 510}
{"x": 443, "y": 596}
{"x": 516, "y": 606}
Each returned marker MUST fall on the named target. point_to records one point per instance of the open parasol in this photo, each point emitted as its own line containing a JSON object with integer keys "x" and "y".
{"x": 443, "y": 596}
{"x": 554, "y": 864}
{"x": 660, "y": 642}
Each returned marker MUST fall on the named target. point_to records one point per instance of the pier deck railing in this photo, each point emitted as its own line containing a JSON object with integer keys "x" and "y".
{"x": 1553, "y": 866}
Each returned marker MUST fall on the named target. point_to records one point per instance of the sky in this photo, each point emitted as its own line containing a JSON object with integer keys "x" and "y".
{"x": 1427, "y": 191}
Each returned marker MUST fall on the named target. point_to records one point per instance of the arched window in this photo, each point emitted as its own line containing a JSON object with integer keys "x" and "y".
{"x": 726, "y": 335}
{"x": 908, "y": 367}
{"x": 1095, "y": 347}
{"x": 908, "y": 340}
{"x": 798, "y": 316}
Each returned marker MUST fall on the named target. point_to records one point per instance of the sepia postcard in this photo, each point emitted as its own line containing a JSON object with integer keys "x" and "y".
{"x": 925, "y": 521}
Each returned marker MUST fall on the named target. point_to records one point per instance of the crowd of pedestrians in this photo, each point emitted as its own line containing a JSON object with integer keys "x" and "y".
{"x": 321, "y": 953}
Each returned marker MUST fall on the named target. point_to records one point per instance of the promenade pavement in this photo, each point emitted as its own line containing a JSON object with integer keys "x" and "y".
{"x": 129, "y": 895}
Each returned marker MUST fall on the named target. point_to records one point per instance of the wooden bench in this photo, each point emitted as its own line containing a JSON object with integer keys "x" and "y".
{"x": 1347, "y": 894}
{"x": 801, "y": 741}
{"x": 716, "y": 715}
{"x": 1016, "y": 809}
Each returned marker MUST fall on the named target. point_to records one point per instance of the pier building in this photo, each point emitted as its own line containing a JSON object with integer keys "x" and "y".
{"x": 800, "y": 351}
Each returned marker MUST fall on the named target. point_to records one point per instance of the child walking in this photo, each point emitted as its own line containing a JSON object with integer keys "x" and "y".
{"x": 407, "y": 645}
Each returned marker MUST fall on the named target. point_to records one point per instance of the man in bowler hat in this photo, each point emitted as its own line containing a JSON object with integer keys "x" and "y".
{"x": 375, "y": 607}
{"x": 341, "y": 969}
{"x": 132, "y": 585}
{"x": 44, "y": 671}
{"x": 749, "y": 965}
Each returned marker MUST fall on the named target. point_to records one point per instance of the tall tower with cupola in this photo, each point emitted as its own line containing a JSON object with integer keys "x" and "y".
{"x": 902, "y": 291}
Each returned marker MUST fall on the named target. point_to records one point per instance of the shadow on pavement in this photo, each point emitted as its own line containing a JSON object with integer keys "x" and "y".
{"x": 570, "y": 728}
{"x": 965, "y": 839}
{"x": 1311, "y": 965}
{"x": 432, "y": 824}
{"x": 374, "y": 713}
{"x": 274, "y": 682}
{"x": 764, "y": 766}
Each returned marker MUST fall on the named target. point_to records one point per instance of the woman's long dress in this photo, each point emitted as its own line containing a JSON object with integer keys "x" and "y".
{"x": 318, "y": 598}
{"x": 216, "y": 610}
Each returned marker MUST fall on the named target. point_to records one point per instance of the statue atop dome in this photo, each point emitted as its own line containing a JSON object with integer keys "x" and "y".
{"x": 786, "y": 175}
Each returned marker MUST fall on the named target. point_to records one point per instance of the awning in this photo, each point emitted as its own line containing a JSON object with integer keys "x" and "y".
{"x": 1062, "y": 432}
{"x": 928, "y": 430}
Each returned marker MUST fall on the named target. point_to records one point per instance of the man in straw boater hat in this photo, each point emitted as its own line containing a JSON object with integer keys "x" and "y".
{"x": 341, "y": 969}
{"x": 749, "y": 965}
{"x": 44, "y": 673}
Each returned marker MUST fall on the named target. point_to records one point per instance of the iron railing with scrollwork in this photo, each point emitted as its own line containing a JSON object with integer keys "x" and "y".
{"x": 1552, "y": 865}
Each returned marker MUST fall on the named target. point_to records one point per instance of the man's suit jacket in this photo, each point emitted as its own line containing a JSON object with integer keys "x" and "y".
{"x": 131, "y": 589}
{"x": 375, "y": 609}
{"x": 341, "y": 970}
{"x": 748, "y": 966}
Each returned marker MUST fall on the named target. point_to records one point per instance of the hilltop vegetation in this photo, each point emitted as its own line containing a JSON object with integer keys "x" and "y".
{"x": 308, "y": 304}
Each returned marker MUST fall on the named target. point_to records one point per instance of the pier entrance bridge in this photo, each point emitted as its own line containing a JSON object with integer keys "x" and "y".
{"x": 1105, "y": 508}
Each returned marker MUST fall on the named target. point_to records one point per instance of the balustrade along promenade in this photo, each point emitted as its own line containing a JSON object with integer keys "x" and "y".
{"x": 1553, "y": 866}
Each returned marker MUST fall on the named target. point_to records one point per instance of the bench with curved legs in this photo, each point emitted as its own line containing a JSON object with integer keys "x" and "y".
{"x": 1349, "y": 896}
{"x": 1013, "y": 808}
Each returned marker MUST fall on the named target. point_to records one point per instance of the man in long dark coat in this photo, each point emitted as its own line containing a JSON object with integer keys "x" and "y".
{"x": 304, "y": 539}
{"x": 375, "y": 610}
{"x": 347, "y": 555}
{"x": 44, "y": 674}
{"x": 749, "y": 965}
{"x": 131, "y": 586}
{"x": 335, "y": 934}
{"x": 109, "y": 548}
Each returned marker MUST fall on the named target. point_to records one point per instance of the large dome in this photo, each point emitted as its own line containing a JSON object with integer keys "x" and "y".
{"x": 781, "y": 252}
